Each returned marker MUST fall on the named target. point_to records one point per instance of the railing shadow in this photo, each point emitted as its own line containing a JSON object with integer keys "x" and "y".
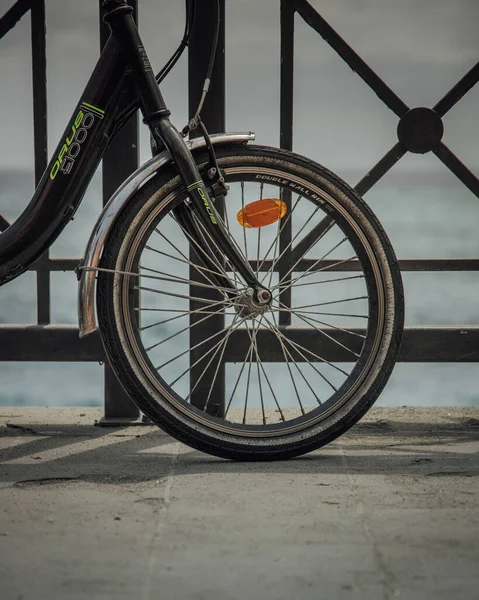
{"x": 40, "y": 454}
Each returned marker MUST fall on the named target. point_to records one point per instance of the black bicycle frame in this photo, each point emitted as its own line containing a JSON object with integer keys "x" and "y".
{"x": 122, "y": 79}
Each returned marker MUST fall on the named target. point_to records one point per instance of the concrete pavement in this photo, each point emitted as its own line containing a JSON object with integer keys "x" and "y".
{"x": 390, "y": 510}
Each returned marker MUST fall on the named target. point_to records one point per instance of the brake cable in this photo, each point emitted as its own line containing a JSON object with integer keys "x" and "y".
{"x": 195, "y": 120}
{"x": 190, "y": 18}
{"x": 131, "y": 109}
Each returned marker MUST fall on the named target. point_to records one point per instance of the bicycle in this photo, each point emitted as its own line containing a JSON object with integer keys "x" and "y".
{"x": 281, "y": 260}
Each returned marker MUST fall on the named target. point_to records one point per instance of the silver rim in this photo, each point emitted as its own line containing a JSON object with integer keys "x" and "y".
{"x": 262, "y": 398}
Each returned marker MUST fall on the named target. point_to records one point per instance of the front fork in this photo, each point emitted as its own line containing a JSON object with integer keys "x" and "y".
{"x": 155, "y": 114}
{"x": 206, "y": 211}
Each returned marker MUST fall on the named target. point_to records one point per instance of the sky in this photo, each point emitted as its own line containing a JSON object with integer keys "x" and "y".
{"x": 421, "y": 48}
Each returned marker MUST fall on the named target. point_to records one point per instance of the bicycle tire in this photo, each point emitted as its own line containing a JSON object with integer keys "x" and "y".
{"x": 268, "y": 431}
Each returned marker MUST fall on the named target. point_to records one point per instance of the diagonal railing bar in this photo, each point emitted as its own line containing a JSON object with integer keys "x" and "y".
{"x": 458, "y": 91}
{"x": 4, "y": 224}
{"x": 304, "y": 245}
{"x": 380, "y": 168}
{"x": 366, "y": 183}
{"x": 13, "y": 15}
{"x": 350, "y": 57}
{"x": 316, "y": 21}
{"x": 446, "y": 156}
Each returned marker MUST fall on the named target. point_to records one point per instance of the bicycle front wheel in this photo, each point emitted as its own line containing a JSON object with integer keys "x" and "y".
{"x": 208, "y": 364}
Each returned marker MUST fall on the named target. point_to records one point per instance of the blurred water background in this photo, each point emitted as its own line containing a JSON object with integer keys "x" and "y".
{"x": 339, "y": 122}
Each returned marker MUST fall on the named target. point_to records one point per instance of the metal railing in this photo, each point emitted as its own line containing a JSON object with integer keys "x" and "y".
{"x": 419, "y": 131}
{"x": 44, "y": 341}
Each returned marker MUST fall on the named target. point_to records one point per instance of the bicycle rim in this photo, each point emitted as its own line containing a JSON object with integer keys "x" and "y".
{"x": 270, "y": 368}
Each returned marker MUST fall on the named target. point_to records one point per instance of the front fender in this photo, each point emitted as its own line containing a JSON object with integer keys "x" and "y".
{"x": 86, "y": 290}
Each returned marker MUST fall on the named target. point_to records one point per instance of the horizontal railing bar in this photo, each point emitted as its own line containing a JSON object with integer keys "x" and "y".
{"x": 13, "y": 15}
{"x": 439, "y": 264}
{"x": 420, "y": 344}
{"x": 52, "y": 343}
{"x": 48, "y": 343}
{"x": 56, "y": 264}
{"x": 405, "y": 264}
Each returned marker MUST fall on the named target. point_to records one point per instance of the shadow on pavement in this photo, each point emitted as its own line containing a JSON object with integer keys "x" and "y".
{"x": 43, "y": 454}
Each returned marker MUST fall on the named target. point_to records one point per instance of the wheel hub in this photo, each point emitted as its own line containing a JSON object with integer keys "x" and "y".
{"x": 249, "y": 307}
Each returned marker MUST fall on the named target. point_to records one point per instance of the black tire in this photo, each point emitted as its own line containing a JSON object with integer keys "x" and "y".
{"x": 297, "y": 368}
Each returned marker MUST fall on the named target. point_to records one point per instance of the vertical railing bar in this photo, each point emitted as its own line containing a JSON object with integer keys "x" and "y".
{"x": 39, "y": 79}
{"x": 39, "y": 84}
{"x": 213, "y": 116}
{"x": 286, "y": 74}
{"x": 286, "y": 139}
{"x": 120, "y": 159}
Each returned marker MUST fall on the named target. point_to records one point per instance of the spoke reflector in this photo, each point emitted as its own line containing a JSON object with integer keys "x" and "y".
{"x": 261, "y": 213}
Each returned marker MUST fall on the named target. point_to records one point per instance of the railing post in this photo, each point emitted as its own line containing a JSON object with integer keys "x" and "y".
{"x": 120, "y": 159}
{"x": 213, "y": 116}
{"x": 285, "y": 264}
{"x": 39, "y": 85}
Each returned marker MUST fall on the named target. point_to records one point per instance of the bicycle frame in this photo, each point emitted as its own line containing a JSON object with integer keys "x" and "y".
{"x": 121, "y": 81}
{"x": 61, "y": 189}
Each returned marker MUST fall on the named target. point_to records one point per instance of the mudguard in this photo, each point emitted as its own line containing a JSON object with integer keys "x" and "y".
{"x": 86, "y": 290}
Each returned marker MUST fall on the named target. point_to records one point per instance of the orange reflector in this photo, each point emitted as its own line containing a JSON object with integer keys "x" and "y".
{"x": 261, "y": 213}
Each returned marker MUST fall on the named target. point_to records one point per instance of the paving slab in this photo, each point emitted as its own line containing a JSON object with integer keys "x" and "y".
{"x": 389, "y": 510}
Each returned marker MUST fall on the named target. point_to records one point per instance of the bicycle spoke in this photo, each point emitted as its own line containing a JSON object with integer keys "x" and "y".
{"x": 227, "y": 225}
{"x": 178, "y": 279}
{"x": 283, "y": 222}
{"x": 331, "y": 302}
{"x": 294, "y": 362}
{"x": 174, "y": 295}
{"x": 309, "y": 272}
{"x": 311, "y": 312}
{"x": 327, "y": 324}
{"x": 219, "y": 361}
{"x": 205, "y": 355}
{"x": 299, "y": 347}
{"x": 248, "y": 377}
{"x": 258, "y": 360}
{"x": 259, "y": 234}
{"x": 173, "y": 335}
{"x": 201, "y": 269}
{"x": 259, "y": 378}
{"x": 290, "y": 245}
{"x": 244, "y": 228}
{"x": 308, "y": 320}
{"x": 289, "y": 369}
{"x": 221, "y": 272}
{"x": 192, "y": 348}
{"x": 312, "y": 266}
{"x": 286, "y": 286}
{"x": 211, "y": 259}
{"x": 214, "y": 242}
{"x": 185, "y": 313}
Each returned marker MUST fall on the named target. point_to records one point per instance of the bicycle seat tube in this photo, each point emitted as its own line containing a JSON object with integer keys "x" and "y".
{"x": 118, "y": 14}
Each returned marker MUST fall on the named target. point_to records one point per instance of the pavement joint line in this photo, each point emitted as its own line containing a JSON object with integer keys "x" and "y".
{"x": 153, "y": 558}
{"x": 391, "y": 587}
